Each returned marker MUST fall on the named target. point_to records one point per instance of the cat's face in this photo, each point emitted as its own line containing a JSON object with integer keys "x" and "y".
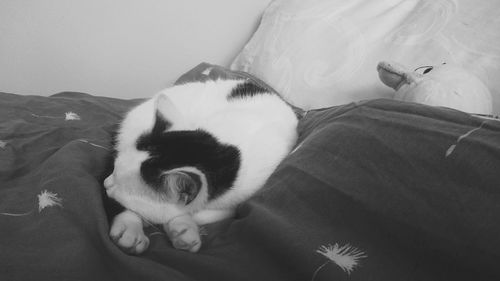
{"x": 160, "y": 195}
{"x": 158, "y": 175}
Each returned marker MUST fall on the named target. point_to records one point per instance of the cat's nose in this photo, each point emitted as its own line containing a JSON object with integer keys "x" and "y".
{"x": 109, "y": 182}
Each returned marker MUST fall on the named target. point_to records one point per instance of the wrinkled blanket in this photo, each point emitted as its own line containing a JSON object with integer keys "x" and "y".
{"x": 375, "y": 190}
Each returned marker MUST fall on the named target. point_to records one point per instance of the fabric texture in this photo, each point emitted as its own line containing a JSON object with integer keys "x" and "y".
{"x": 378, "y": 190}
{"x": 320, "y": 53}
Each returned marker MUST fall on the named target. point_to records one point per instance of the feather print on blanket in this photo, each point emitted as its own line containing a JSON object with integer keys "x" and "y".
{"x": 191, "y": 154}
{"x": 346, "y": 257}
{"x": 45, "y": 199}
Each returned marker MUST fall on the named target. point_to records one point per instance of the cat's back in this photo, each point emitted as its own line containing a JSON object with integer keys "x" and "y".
{"x": 201, "y": 100}
{"x": 231, "y": 110}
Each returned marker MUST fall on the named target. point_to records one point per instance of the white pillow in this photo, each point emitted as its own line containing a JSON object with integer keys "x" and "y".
{"x": 319, "y": 53}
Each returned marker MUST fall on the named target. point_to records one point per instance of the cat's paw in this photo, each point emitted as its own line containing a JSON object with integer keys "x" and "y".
{"x": 126, "y": 231}
{"x": 184, "y": 233}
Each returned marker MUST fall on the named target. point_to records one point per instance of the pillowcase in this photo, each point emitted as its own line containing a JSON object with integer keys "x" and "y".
{"x": 320, "y": 53}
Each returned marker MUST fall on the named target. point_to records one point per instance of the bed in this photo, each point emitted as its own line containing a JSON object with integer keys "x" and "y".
{"x": 375, "y": 189}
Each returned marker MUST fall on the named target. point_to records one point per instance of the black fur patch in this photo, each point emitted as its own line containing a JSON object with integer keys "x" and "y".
{"x": 168, "y": 150}
{"x": 248, "y": 89}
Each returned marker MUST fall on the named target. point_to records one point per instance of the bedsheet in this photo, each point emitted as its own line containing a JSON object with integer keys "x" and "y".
{"x": 374, "y": 190}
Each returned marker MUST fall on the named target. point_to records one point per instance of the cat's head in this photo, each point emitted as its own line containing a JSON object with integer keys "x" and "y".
{"x": 166, "y": 170}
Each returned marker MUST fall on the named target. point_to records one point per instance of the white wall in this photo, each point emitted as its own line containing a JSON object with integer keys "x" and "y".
{"x": 120, "y": 48}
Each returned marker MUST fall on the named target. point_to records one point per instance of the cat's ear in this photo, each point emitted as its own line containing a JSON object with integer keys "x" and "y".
{"x": 167, "y": 114}
{"x": 182, "y": 186}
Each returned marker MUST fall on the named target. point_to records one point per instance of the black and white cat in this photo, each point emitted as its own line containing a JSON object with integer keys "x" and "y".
{"x": 191, "y": 154}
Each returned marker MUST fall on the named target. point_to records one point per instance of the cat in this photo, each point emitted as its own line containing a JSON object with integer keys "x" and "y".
{"x": 190, "y": 154}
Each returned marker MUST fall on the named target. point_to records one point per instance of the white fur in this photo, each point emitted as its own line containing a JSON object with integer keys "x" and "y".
{"x": 262, "y": 127}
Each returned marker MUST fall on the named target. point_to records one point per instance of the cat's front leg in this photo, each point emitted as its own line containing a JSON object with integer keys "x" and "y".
{"x": 127, "y": 232}
{"x": 212, "y": 215}
{"x": 184, "y": 233}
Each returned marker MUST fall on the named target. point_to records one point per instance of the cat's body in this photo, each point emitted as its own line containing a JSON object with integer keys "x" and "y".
{"x": 192, "y": 153}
